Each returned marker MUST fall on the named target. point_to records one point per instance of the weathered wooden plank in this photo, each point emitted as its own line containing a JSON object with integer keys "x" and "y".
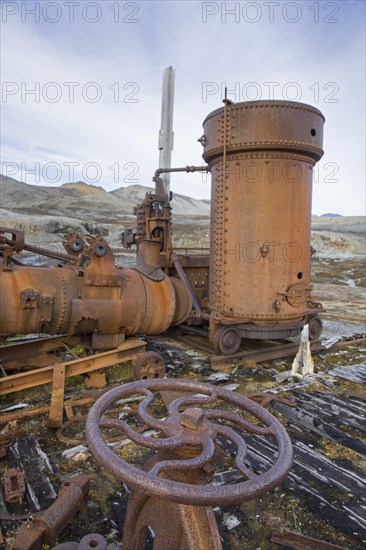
{"x": 350, "y": 402}
{"x": 330, "y": 491}
{"x": 354, "y": 373}
{"x": 331, "y": 411}
{"x": 57, "y": 398}
{"x": 317, "y": 425}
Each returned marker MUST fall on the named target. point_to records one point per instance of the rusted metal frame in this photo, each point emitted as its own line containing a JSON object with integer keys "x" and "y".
{"x": 274, "y": 352}
{"x": 126, "y": 351}
{"x": 15, "y": 355}
{"x": 68, "y": 407}
{"x": 302, "y": 542}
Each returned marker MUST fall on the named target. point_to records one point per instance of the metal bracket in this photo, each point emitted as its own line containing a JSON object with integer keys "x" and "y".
{"x": 29, "y": 299}
{"x": 14, "y": 485}
{"x": 46, "y": 308}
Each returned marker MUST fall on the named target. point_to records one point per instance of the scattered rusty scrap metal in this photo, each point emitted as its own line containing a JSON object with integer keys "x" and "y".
{"x": 266, "y": 398}
{"x": 301, "y": 542}
{"x": 7, "y": 439}
{"x": 45, "y": 528}
{"x": 14, "y": 485}
{"x": 177, "y": 506}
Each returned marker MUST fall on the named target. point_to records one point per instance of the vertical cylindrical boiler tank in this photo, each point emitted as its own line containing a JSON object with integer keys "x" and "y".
{"x": 261, "y": 155}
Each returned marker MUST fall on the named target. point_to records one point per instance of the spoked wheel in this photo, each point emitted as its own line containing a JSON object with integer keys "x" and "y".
{"x": 226, "y": 340}
{"x": 190, "y": 422}
{"x": 315, "y": 327}
{"x": 149, "y": 365}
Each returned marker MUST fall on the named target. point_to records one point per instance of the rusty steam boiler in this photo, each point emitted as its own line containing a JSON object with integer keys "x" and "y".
{"x": 261, "y": 155}
{"x": 255, "y": 283}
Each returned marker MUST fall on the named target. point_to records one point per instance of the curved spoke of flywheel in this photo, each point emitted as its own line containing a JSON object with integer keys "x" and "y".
{"x": 241, "y": 453}
{"x": 145, "y": 415}
{"x": 240, "y": 421}
{"x": 166, "y": 443}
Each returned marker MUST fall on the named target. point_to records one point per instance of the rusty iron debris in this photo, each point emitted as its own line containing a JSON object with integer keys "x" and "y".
{"x": 45, "y": 528}
{"x": 149, "y": 364}
{"x": 266, "y": 398}
{"x": 14, "y": 485}
{"x": 173, "y": 489}
{"x": 298, "y": 541}
{"x": 7, "y": 439}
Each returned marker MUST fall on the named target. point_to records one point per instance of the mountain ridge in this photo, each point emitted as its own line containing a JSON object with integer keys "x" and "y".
{"x": 47, "y": 213}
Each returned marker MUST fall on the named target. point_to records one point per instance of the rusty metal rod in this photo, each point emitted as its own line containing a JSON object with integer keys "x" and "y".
{"x": 184, "y": 169}
{"x": 49, "y": 253}
{"x": 184, "y": 279}
{"x": 218, "y": 362}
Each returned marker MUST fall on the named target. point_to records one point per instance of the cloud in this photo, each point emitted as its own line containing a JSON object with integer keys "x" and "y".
{"x": 125, "y": 60}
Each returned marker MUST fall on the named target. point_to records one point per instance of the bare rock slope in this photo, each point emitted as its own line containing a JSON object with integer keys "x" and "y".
{"x": 46, "y": 213}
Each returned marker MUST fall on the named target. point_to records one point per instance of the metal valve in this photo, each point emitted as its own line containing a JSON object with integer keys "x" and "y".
{"x": 186, "y": 437}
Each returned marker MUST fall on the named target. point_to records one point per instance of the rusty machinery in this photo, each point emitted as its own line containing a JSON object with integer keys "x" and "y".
{"x": 255, "y": 283}
{"x": 196, "y": 428}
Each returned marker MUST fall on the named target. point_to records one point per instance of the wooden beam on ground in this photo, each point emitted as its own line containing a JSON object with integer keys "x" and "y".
{"x": 57, "y": 398}
{"x": 30, "y": 379}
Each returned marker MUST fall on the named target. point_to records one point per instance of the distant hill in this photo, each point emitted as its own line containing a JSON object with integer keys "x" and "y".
{"x": 47, "y": 213}
{"x": 91, "y": 201}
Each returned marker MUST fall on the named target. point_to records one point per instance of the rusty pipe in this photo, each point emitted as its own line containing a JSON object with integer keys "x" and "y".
{"x": 47, "y": 526}
{"x": 183, "y": 169}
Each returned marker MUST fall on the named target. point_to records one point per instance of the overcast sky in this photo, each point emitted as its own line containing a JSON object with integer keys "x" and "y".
{"x": 81, "y": 85}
